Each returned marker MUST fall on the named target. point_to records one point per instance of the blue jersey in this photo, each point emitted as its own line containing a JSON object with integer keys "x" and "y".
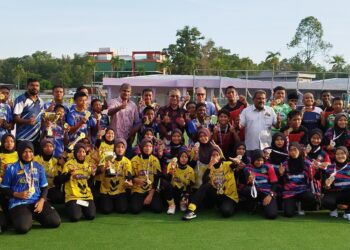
{"x": 15, "y": 179}
{"x": 342, "y": 177}
{"x": 58, "y": 134}
{"x": 5, "y": 114}
{"x": 104, "y": 123}
{"x": 26, "y": 108}
{"x": 47, "y": 105}
{"x": 265, "y": 177}
{"x": 74, "y": 117}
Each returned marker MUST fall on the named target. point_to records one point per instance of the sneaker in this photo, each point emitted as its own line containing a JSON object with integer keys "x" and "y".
{"x": 183, "y": 206}
{"x": 346, "y": 216}
{"x": 334, "y": 213}
{"x": 300, "y": 211}
{"x": 189, "y": 215}
{"x": 171, "y": 209}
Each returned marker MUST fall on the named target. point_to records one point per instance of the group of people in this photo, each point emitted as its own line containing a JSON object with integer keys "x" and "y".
{"x": 119, "y": 156}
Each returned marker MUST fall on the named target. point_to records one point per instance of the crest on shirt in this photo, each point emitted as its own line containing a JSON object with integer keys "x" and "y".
{"x": 264, "y": 171}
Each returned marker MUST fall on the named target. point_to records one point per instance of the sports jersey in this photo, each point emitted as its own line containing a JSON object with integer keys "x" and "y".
{"x": 299, "y": 135}
{"x": 19, "y": 177}
{"x": 282, "y": 109}
{"x": 74, "y": 117}
{"x": 58, "y": 134}
{"x": 312, "y": 119}
{"x": 26, "y": 108}
{"x": 104, "y": 123}
{"x": 223, "y": 178}
{"x": 182, "y": 177}
{"x": 115, "y": 185}
{"x": 77, "y": 187}
{"x": 103, "y": 150}
{"x": 143, "y": 168}
{"x": 295, "y": 184}
{"x": 5, "y": 114}
{"x": 264, "y": 177}
{"x": 51, "y": 168}
{"x": 7, "y": 159}
{"x": 342, "y": 177}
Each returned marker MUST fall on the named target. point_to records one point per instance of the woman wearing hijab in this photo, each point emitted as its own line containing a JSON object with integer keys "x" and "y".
{"x": 336, "y": 183}
{"x": 26, "y": 185}
{"x": 296, "y": 179}
{"x": 337, "y": 136}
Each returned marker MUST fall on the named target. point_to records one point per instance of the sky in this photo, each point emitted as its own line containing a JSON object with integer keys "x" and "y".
{"x": 248, "y": 28}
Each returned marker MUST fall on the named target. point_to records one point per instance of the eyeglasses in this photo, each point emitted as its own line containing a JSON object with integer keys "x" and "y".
{"x": 199, "y": 94}
{"x": 175, "y": 96}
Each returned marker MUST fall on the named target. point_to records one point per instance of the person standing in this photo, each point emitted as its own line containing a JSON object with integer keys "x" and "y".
{"x": 201, "y": 95}
{"x": 124, "y": 114}
{"x": 258, "y": 120}
{"x": 28, "y": 110}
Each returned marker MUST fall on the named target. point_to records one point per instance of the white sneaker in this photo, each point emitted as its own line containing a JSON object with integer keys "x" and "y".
{"x": 346, "y": 216}
{"x": 171, "y": 209}
{"x": 334, "y": 213}
{"x": 300, "y": 211}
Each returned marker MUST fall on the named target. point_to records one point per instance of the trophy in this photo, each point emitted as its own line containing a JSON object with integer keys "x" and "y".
{"x": 109, "y": 156}
{"x": 52, "y": 118}
{"x": 173, "y": 163}
{"x": 207, "y": 121}
{"x": 81, "y": 136}
{"x": 2, "y": 97}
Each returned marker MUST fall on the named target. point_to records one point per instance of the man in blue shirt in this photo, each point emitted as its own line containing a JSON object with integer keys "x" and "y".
{"x": 27, "y": 113}
{"x": 57, "y": 94}
{"x": 201, "y": 95}
{"x": 26, "y": 185}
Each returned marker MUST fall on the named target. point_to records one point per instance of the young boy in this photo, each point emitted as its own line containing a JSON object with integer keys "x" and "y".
{"x": 294, "y": 130}
{"x": 201, "y": 121}
{"x": 147, "y": 121}
{"x": 99, "y": 121}
{"x": 6, "y": 124}
{"x": 79, "y": 118}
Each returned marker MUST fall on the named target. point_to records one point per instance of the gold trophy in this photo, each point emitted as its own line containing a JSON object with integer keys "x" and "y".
{"x": 81, "y": 136}
{"x": 109, "y": 156}
{"x": 52, "y": 118}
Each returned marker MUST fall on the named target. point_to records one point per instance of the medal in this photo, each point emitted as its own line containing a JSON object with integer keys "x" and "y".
{"x": 330, "y": 180}
{"x": 31, "y": 190}
{"x": 149, "y": 182}
{"x": 332, "y": 143}
{"x": 87, "y": 115}
{"x": 308, "y": 148}
{"x": 220, "y": 191}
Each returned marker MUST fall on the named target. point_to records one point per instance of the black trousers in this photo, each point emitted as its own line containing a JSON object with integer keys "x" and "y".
{"x": 55, "y": 195}
{"x": 136, "y": 202}
{"x": 270, "y": 211}
{"x": 307, "y": 199}
{"x": 207, "y": 191}
{"x": 332, "y": 199}
{"x": 75, "y": 211}
{"x": 22, "y": 217}
{"x": 109, "y": 203}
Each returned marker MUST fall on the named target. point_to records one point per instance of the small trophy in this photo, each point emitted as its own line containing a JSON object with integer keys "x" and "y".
{"x": 52, "y": 118}
{"x": 81, "y": 136}
{"x": 109, "y": 157}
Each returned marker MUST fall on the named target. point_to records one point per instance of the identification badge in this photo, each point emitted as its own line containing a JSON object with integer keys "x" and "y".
{"x": 83, "y": 203}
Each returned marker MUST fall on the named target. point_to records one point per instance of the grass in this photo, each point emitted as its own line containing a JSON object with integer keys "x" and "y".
{"x": 209, "y": 231}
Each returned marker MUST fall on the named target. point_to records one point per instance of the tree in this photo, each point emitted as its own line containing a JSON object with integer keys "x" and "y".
{"x": 184, "y": 56}
{"x": 117, "y": 63}
{"x": 273, "y": 59}
{"x": 18, "y": 73}
{"x": 338, "y": 63}
{"x": 309, "y": 38}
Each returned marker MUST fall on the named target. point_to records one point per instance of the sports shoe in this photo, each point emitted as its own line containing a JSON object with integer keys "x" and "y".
{"x": 300, "y": 211}
{"x": 171, "y": 209}
{"x": 189, "y": 215}
{"x": 334, "y": 213}
{"x": 346, "y": 216}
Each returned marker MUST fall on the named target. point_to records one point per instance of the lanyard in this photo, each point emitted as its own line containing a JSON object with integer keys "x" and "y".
{"x": 29, "y": 176}
{"x": 334, "y": 137}
{"x": 220, "y": 135}
{"x": 335, "y": 170}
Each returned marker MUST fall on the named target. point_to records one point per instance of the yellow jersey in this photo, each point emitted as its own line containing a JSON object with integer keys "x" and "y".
{"x": 6, "y": 160}
{"x": 77, "y": 188}
{"x": 103, "y": 150}
{"x": 144, "y": 169}
{"x": 182, "y": 178}
{"x": 223, "y": 178}
{"x": 51, "y": 168}
{"x": 113, "y": 185}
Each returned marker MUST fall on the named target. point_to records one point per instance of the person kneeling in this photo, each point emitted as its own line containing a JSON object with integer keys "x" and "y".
{"x": 78, "y": 195}
{"x": 26, "y": 185}
{"x": 219, "y": 185}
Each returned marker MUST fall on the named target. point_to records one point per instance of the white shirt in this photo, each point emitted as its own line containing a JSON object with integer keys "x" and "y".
{"x": 258, "y": 125}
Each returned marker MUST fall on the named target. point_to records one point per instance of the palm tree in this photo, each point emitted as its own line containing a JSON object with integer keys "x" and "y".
{"x": 273, "y": 59}
{"x": 117, "y": 64}
{"x": 337, "y": 63}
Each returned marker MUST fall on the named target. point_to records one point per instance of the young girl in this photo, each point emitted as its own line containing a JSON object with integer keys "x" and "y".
{"x": 116, "y": 176}
{"x": 337, "y": 136}
{"x": 261, "y": 185}
{"x": 146, "y": 171}
{"x": 176, "y": 145}
{"x": 78, "y": 195}
{"x": 148, "y": 133}
{"x": 296, "y": 177}
{"x": 314, "y": 149}
{"x": 8, "y": 153}
{"x": 52, "y": 169}
{"x": 219, "y": 185}
{"x": 225, "y": 134}
{"x": 25, "y": 183}
{"x": 202, "y": 155}
{"x": 181, "y": 176}
{"x": 336, "y": 183}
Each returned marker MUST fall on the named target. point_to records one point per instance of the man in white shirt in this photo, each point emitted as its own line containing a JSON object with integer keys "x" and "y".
{"x": 258, "y": 120}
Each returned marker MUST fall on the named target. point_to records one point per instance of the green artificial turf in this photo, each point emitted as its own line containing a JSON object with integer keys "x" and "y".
{"x": 209, "y": 231}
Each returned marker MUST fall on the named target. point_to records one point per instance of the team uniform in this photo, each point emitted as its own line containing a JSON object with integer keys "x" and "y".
{"x": 6, "y": 115}
{"x": 74, "y": 117}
